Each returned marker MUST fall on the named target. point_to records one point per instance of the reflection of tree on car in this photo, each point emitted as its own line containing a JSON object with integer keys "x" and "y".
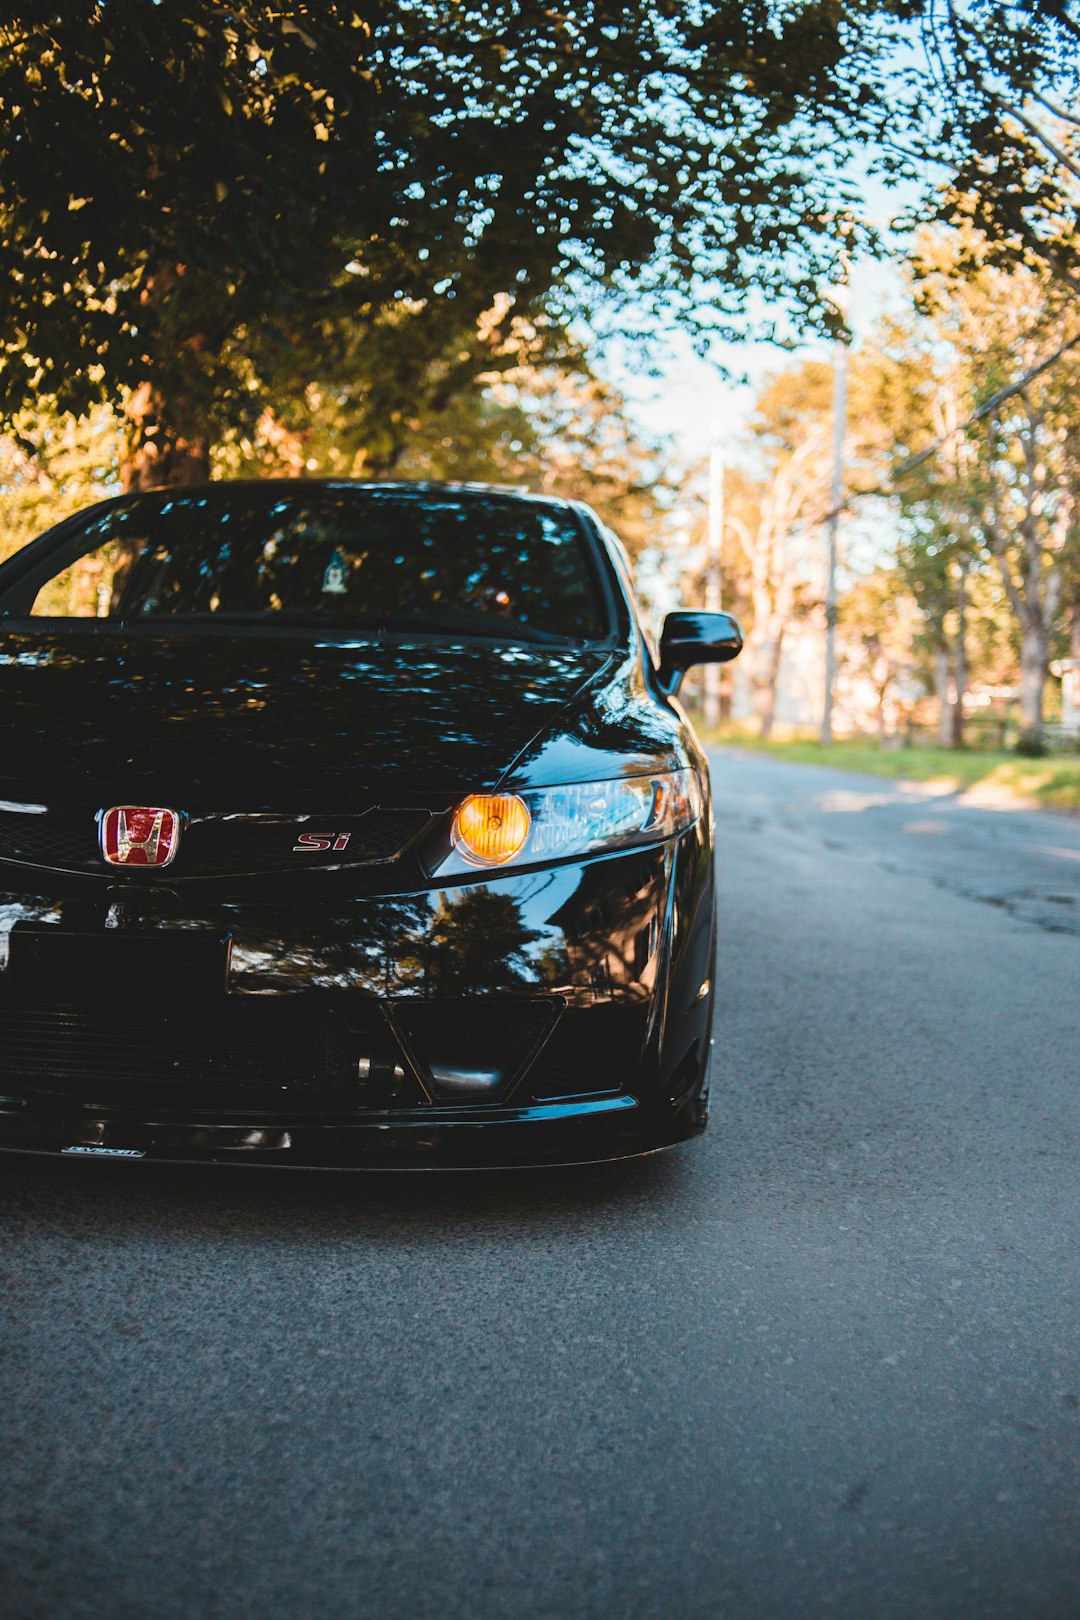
{"x": 475, "y": 938}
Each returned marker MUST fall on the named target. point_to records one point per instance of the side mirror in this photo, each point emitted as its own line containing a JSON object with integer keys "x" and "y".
{"x": 696, "y": 638}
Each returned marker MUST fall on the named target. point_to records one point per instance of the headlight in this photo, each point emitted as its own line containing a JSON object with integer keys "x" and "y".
{"x": 493, "y": 830}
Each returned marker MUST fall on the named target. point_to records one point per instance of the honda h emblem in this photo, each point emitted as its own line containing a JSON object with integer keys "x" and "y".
{"x": 135, "y": 835}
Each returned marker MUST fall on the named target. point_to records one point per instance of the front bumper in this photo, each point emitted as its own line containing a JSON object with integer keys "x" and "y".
{"x": 584, "y": 1131}
{"x": 575, "y": 1002}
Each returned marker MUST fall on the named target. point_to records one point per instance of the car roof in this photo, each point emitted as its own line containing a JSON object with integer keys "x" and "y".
{"x": 404, "y": 486}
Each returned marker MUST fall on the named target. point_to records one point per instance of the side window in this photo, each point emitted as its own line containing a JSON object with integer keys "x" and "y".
{"x": 90, "y": 587}
{"x": 622, "y": 562}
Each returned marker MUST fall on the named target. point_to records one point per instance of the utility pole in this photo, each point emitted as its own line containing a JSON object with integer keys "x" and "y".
{"x": 836, "y": 500}
{"x": 714, "y": 538}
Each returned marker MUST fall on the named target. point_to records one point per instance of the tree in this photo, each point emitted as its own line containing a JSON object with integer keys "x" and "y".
{"x": 920, "y": 396}
{"x": 53, "y": 466}
{"x": 345, "y": 411}
{"x": 777, "y": 504}
{"x": 549, "y": 425}
{"x": 876, "y": 617}
{"x": 192, "y": 198}
{"x": 773, "y": 518}
{"x": 196, "y": 204}
{"x": 1013, "y": 476}
{"x": 1008, "y": 77}
{"x": 545, "y": 427}
{"x": 934, "y": 568}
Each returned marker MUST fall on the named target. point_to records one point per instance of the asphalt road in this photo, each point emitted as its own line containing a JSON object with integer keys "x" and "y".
{"x": 824, "y": 1363}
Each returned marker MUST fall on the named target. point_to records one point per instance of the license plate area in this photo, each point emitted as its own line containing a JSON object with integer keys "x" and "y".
{"x": 236, "y": 1053}
{"x": 133, "y": 969}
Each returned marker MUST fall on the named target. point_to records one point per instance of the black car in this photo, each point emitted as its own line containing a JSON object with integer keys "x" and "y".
{"x": 351, "y": 825}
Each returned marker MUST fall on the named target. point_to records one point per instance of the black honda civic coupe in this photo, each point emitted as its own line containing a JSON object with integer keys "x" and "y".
{"x": 349, "y": 825}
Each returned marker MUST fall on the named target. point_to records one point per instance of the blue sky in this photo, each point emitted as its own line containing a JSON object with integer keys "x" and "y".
{"x": 692, "y": 394}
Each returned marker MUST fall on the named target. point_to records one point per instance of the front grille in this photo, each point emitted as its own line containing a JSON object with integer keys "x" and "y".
{"x": 234, "y": 1054}
{"x": 238, "y": 1053}
{"x": 46, "y": 840}
{"x": 214, "y": 846}
{"x": 246, "y": 844}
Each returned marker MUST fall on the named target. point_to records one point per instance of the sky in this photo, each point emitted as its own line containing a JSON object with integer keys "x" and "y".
{"x": 693, "y": 402}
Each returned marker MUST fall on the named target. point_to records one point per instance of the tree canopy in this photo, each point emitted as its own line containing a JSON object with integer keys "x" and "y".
{"x": 200, "y": 205}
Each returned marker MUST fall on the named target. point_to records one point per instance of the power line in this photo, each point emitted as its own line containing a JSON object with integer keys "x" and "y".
{"x": 985, "y": 409}
{"x": 909, "y": 465}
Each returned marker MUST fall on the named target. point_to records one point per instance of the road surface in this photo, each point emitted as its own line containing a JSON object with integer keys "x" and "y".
{"x": 824, "y": 1363}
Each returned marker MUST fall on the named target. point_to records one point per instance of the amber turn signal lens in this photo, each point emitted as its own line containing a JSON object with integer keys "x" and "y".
{"x": 491, "y": 828}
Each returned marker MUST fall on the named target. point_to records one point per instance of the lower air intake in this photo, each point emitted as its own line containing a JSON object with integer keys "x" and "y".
{"x": 235, "y": 1055}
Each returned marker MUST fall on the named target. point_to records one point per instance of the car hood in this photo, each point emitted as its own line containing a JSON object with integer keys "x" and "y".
{"x": 258, "y": 721}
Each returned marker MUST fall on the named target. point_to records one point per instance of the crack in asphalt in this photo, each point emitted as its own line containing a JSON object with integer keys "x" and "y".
{"x": 1013, "y": 904}
{"x": 1028, "y": 905}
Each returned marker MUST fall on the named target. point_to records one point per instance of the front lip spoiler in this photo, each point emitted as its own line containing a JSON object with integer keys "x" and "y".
{"x": 581, "y": 1131}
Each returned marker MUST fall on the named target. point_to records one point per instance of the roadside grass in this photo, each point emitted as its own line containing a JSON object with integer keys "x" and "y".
{"x": 1052, "y": 782}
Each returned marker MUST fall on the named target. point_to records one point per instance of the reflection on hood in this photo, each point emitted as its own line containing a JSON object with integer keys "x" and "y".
{"x": 237, "y": 719}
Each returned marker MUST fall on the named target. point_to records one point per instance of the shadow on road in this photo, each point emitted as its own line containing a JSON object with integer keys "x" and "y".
{"x": 157, "y": 1199}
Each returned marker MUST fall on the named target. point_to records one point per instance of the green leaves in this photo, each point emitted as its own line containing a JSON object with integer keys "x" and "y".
{"x": 184, "y": 188}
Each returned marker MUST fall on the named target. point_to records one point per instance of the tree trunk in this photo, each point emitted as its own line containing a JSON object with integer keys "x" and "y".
{"x": 1070, "y": 686}
{"x": 941, "y": 686}
{"x": 766, "y": 678}
{"x": 882, "y": 716}
{"x": 1033, "y": 661}
{"x": 960, "y": 663}
{"x": 159, "y": 457}
{"x": 764, "y": 706}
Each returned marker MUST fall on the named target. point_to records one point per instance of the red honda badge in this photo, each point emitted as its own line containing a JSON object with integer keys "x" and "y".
{"x": 136, "y": 835}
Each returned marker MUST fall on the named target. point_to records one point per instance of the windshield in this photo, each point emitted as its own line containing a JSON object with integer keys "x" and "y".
{"x": 480, "y": 563}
